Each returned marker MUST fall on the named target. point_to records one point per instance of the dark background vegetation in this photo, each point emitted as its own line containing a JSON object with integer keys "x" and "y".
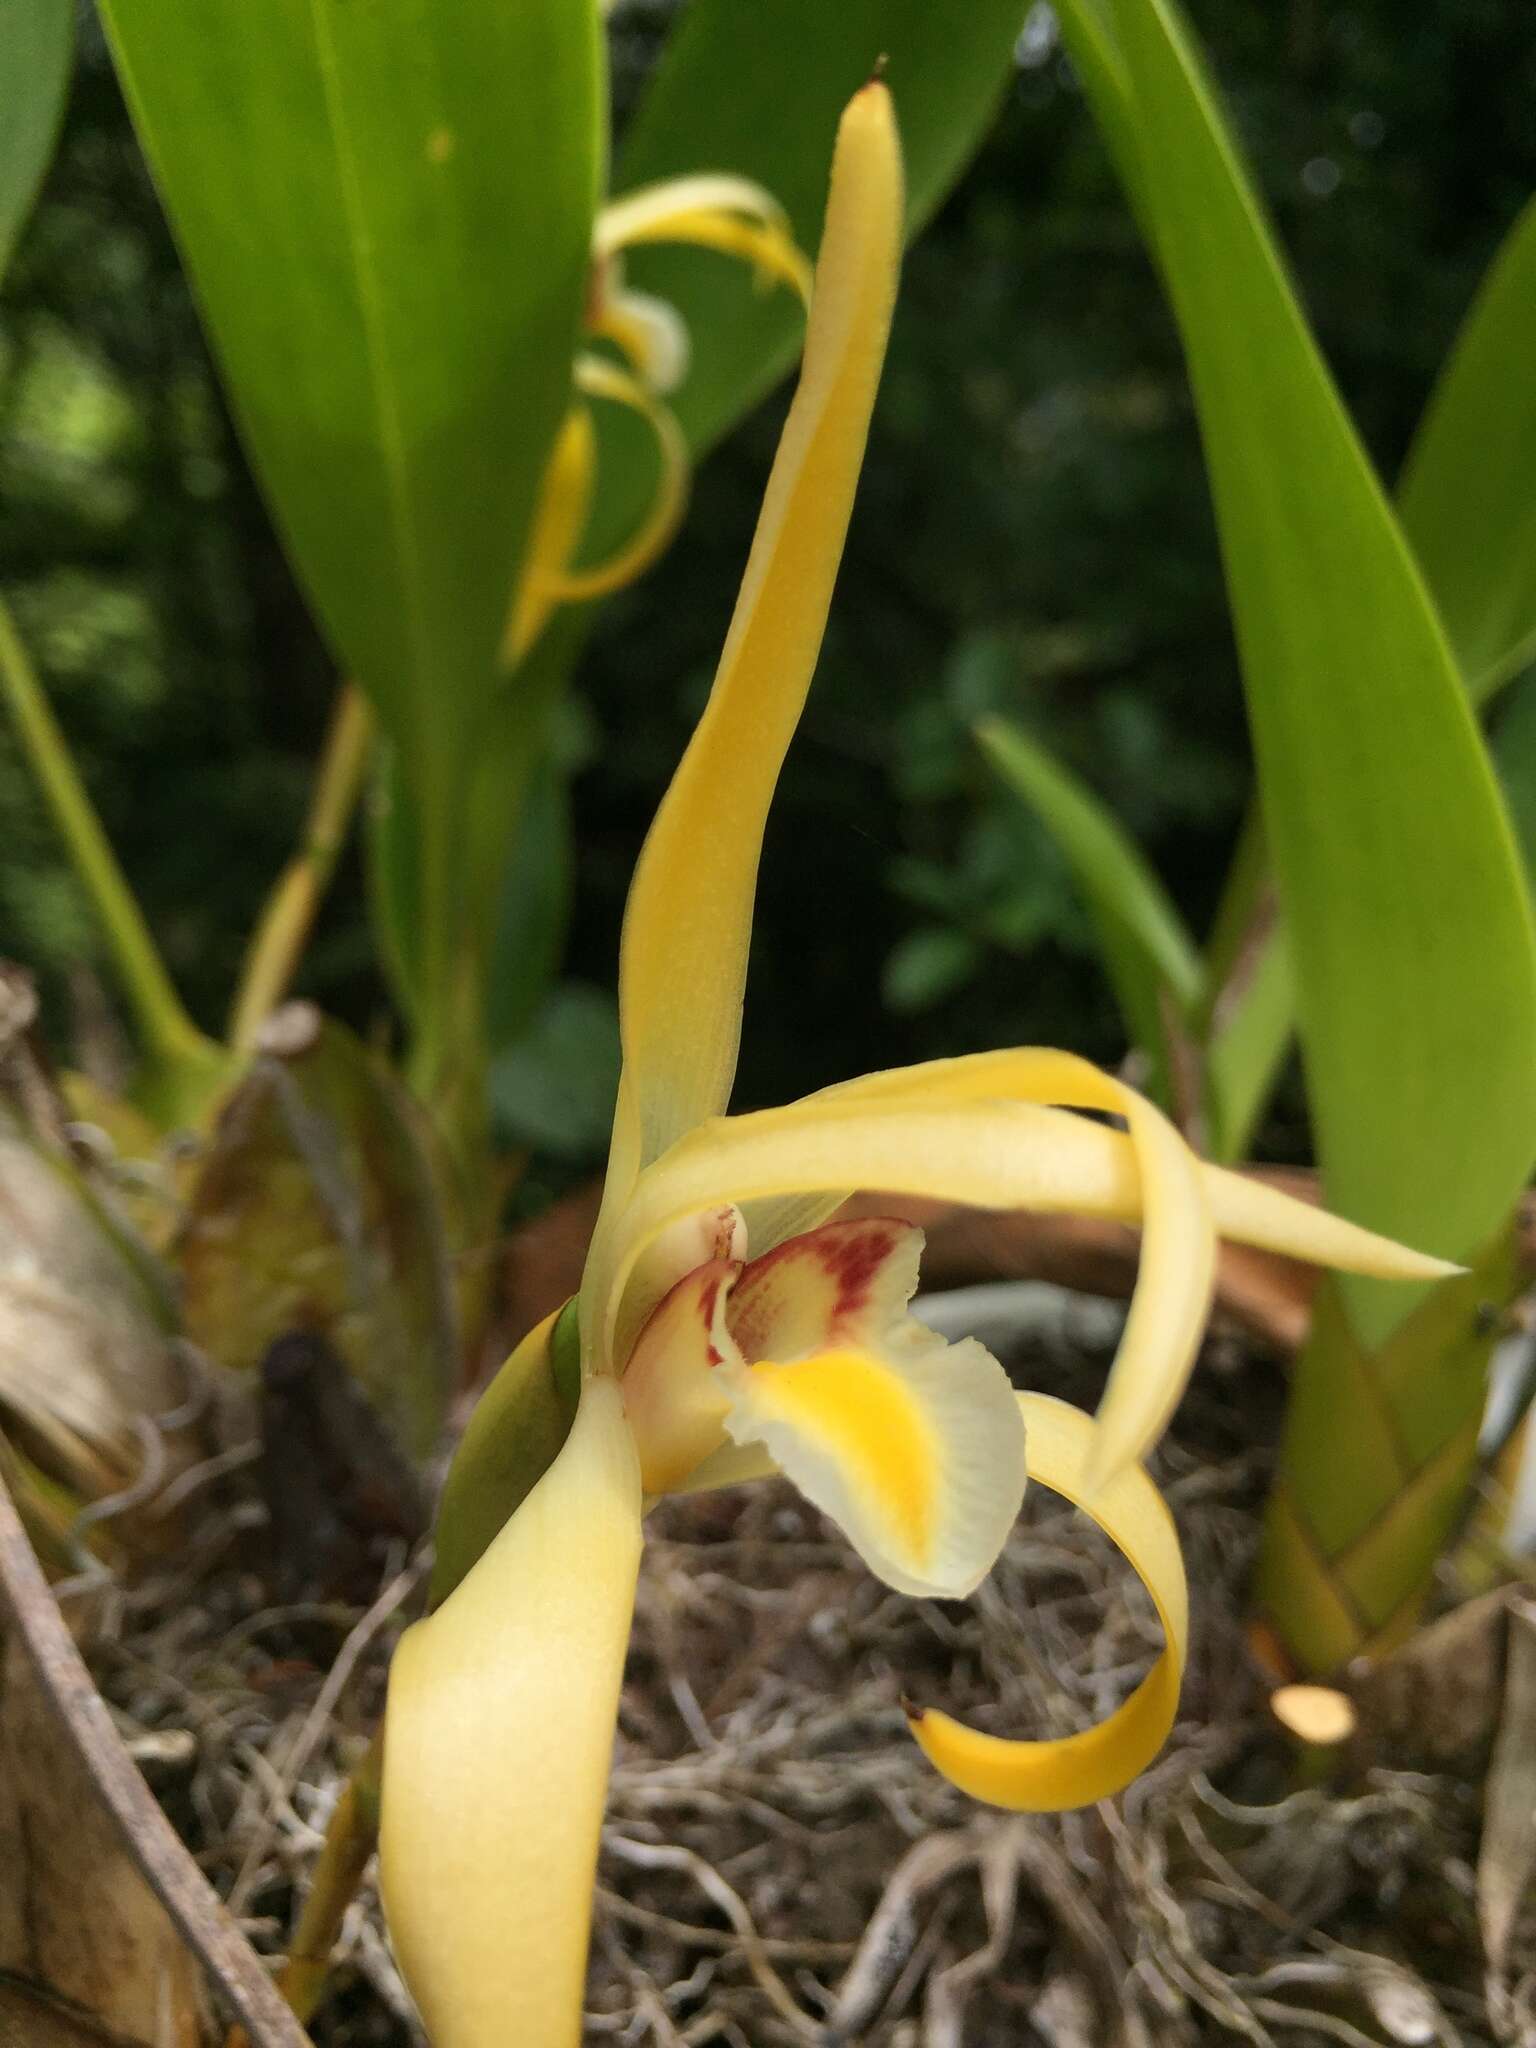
{"x": 1033, "y": 533}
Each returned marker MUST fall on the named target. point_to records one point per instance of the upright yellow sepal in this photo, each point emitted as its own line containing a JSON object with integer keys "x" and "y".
{"x": 498, "y": 1733}
{"x": 690, "y": 910}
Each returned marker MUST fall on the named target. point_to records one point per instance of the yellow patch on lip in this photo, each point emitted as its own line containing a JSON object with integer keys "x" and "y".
{"x": 862, "y": 1417}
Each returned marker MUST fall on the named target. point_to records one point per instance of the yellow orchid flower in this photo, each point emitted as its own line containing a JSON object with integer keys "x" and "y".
{"x": 712, "y": 210}
{"x": 728, "y": 1326}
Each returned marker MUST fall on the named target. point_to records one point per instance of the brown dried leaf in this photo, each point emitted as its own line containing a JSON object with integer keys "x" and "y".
{"x": 315, "y": 1210}
{"x": 82, "y": 1828}
{"x": 1436, "y": 1701}
{"x": 85, "y": 1321}
{"x": 1506, "y": 1867}
{"x": 30, "y": 2018}
{"x": 76, "y": 1918}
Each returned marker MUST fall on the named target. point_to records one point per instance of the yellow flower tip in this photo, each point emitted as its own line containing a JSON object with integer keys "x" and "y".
{"x": 1252, "y": 1212}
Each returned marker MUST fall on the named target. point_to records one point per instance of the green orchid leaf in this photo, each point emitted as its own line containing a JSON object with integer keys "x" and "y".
{"x": 318, "y": 1209}
{"x": 1424, "y": 1118}
{"x": 1466, "y": 513}
{"x": 37, "y": 39}
{"x": 555, "y": 1085}
{"x": 386, "y": 213}
{"x": 1407, "y": 920}
{"x": 1514, "y": 755}
{"x": 1148, "y": 954}
{"x": 535, "y": 906}
{"x": 1248, "y": 1015}
{"x": 1466, "y": 498}
{"x": 1470, "y": 516}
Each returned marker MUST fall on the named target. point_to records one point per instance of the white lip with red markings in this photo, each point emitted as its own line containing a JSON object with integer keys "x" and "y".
{"x": 913, "y": 1445}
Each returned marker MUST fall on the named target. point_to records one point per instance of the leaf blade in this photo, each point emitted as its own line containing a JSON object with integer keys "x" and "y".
{"x": 37, "y": 39}
{"x": 1465, "y": 497}
{"x": 1148, "y": 953}
{"x": 1360, "y": 723}
{"x": 352, "y": 221}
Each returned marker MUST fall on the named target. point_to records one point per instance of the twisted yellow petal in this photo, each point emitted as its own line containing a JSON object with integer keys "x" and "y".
{"x": 559, "y": 520}
{"x": 1172, "y": 1300}
{"x": 649, "y": 331}
{"x": 684, "y": 953}
{"x": 1046, "y": 1777}
{"x": 995, "y": 1154}
{"x": 711, "y": 211}
{"x": 497, "y": 1741}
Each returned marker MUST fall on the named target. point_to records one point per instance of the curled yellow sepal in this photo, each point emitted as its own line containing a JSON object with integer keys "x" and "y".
{"x": 1075, "y": 1770}
{"x": 550, "y": 575}
{"x": 711, "y": 210}
{"x": 498, "y": 1735}
{"x": 1173, "y": 1292}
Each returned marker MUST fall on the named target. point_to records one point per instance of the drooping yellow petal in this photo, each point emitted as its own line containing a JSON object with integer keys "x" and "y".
{"x": 683, "y": 960}
{"x": 912, "y": 1446}
{"x": 997, "y": 1155}
{"x": 1172, "y": 1298}
{"x": 497, "y": 1742}
{"x": 769, "y": 250}
{"x": 549, "y": 576}
{"x": 560, "y": 518}
{"x": 648, "y": 208}
{"x": 1046, "y": 1776}
{"x": 596, "y": 378}
{"x": 649, "y": 331}
{"x": 712, "y": 211}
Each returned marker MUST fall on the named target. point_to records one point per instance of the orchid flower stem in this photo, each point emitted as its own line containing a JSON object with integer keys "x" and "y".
{"x": 286, "y": 922}
{"x": 168, "y": 1035}
{"x": 351, "y": 1836}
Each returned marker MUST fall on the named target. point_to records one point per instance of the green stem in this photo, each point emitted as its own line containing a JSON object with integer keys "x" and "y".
{"x": 280, "y": 937}
{"x": 351, "y": 1836}
{"x": 168, "y": 1034}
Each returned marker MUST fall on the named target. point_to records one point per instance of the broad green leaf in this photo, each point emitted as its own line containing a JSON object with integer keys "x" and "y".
{"x": 1466, "y": 498}
{"x": 1248, "y": 1017}
{"x": 1148, "y": 954}
{"x": 1425, "y": 1117}
{"x": 36, "y": 43}
{"x": 1514, "y": 754}
{"x": 758, "y": 91}
{"x": 1475, "y": 549}
{"x": 535, "y": 906}
{"x": 386, "y": 212}
{"x": 555, "y": 1087}
{"x": 1469, "y": 512}
{"x": 317, "y": 1209}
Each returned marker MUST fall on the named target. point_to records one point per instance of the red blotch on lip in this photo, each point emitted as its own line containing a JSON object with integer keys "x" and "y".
{"x": 852, "y": 1255}
{"x": 722, "y": 1275}
{"x": 849, "y": 1257}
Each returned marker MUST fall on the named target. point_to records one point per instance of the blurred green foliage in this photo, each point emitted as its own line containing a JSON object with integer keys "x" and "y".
{"x": 1033, "y": 535}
